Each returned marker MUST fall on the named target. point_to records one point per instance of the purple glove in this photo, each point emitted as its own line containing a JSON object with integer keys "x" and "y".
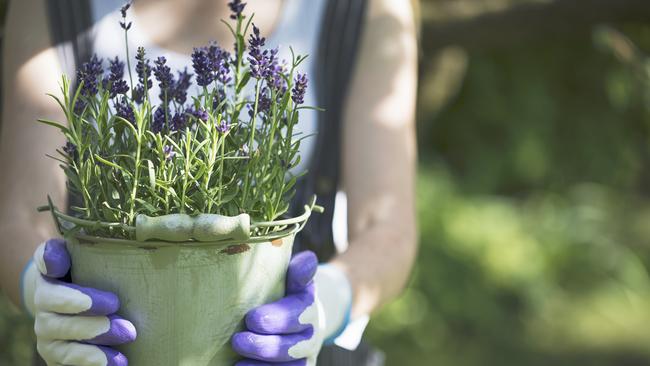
{"x": 73, "y": 324}
{"x": 291, "y": 331}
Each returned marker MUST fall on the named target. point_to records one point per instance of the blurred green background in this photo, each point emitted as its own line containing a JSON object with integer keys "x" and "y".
{"x": 534, "y": 190}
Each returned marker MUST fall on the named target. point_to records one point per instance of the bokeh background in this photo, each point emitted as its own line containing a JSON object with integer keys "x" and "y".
{"x": 534, "y": 190}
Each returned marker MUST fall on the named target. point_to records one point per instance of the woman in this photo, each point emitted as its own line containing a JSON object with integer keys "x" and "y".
{"x": 375, "y": 122}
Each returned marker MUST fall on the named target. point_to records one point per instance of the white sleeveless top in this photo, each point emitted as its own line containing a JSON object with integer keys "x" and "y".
{"x": 298, "y": 27}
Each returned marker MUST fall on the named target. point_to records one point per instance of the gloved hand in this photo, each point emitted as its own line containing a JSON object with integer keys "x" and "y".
{"x": 73, "y": 324}
{"x": 291, "y": 331}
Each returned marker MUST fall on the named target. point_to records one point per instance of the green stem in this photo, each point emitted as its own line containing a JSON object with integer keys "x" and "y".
{"x": 288, "y": 145}
{"x": 128, "y": 58}
{"x": 186, "y": 169}
{"x": 136, "y": 175}
{"x": 250, "y": 145}
{"x": 213, "y": 134}
{"x": 223, "y": 144}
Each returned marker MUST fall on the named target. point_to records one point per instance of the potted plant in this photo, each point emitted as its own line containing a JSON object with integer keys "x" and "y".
{"x": 183, "y": 203}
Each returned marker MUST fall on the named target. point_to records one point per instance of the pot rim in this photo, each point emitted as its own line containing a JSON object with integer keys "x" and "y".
{"x": 153, "y": 244}
{"x": 271, "y": 230}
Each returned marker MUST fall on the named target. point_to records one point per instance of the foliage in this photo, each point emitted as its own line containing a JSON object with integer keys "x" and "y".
{"x": 126, "y": 156}
{"x": 533, "y": 211}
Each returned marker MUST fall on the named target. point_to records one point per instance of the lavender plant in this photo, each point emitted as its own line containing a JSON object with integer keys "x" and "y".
{"x": 222, "y": 151}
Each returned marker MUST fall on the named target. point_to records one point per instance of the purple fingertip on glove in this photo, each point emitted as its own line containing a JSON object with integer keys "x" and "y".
{"x": 121, "y": 331}
{"x": 263, "y": 363}
{"x": 301, "y": 271}
{"x": 274, "y": 329}
{"x": 113, "y": 357}
{"x": 56, "y": 258}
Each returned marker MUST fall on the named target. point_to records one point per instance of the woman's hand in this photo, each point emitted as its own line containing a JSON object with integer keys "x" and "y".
{"x": 291, "y": 331}
{"x": 74, "y": 325}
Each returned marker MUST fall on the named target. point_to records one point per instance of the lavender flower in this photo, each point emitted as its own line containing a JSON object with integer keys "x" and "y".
{"x": 142, "y": 68}
{"x": 159, "y": 119}
{"x": 180, "y": 87}
{"x": 178, "y": 121}
{"x": 79, "y": 106}
{"x": 138, "y": 94}
{"x": 116, "y": 83}
{"x": 263, "y": 103}
{"x": 70, "y": 149}
{"x": 202, "y": 66}
{"x": 90, "y": 73}
{"x": 256, "y": 57}
{"x": 218, "y": 98}
{"x": 299, "y": 89}
{"x": 199, "y": 113}
{"x": 123, "y": 10}
{"x": 275, "y": 80}
{"x": 219, "y": 63}
{"x": 224, "y": 126}
{"x": 163, "y": 74}
{"x": 237, "y": 7}
{"x": 169, "y": 152}
{"x": 123, "y": 109}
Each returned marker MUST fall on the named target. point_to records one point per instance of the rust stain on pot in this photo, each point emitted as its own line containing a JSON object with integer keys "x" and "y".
{"x": 277, "y": 242}
{"x": 236, "y": 249}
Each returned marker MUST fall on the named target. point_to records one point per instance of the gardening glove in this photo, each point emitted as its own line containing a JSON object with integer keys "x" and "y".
{"x": 291, "y": 331}
{"x": 74, "y": 325}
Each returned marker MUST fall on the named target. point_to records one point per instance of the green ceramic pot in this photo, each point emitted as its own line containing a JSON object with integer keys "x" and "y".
{"x": 186, "y": 299}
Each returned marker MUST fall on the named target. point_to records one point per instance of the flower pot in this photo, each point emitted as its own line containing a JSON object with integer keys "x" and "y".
{"x": 185, "y": 299}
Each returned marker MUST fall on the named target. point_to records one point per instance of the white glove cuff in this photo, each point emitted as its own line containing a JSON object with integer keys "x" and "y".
{"x": 334, "y": 293}
{"x": 28, "y": 286}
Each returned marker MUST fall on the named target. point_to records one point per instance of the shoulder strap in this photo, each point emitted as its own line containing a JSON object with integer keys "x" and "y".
{"x": 69, "y": 22}
{"x": 340, "y": 37}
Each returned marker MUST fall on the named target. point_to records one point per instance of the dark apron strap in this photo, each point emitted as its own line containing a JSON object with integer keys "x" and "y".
{"x": 336, "y": 58}
{"x": 69, "y": 23}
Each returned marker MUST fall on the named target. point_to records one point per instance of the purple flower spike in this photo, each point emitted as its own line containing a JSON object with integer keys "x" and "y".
{"x": 90, "y": 73}
{"x": 299, "y": 89}
{"x": 200, "y": 113}
{"x": 263, "y": 103}
{"x": 70, "y": 149}
{"x": 219, "y": 63}
{"x": 163, "y": 74}
{"x": 123, "y": 23}
{"x": 201, "y": 65}
{"x": 178, "y": 121}
{"x": 169, "y": 152}
{"x": 117, "y": 84}
{"x": 224, "y": 126}
{"x": 126, "y": 26}
{"x": 181, "y": 86}
{"x": 124, "y": 8}
{"x": 123, "y": 109}
{"x": 143, "y": 69}
{"x": 256, "y": 57}
{"x": 159, "y": 119}
{"x": 237, "y": 7}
